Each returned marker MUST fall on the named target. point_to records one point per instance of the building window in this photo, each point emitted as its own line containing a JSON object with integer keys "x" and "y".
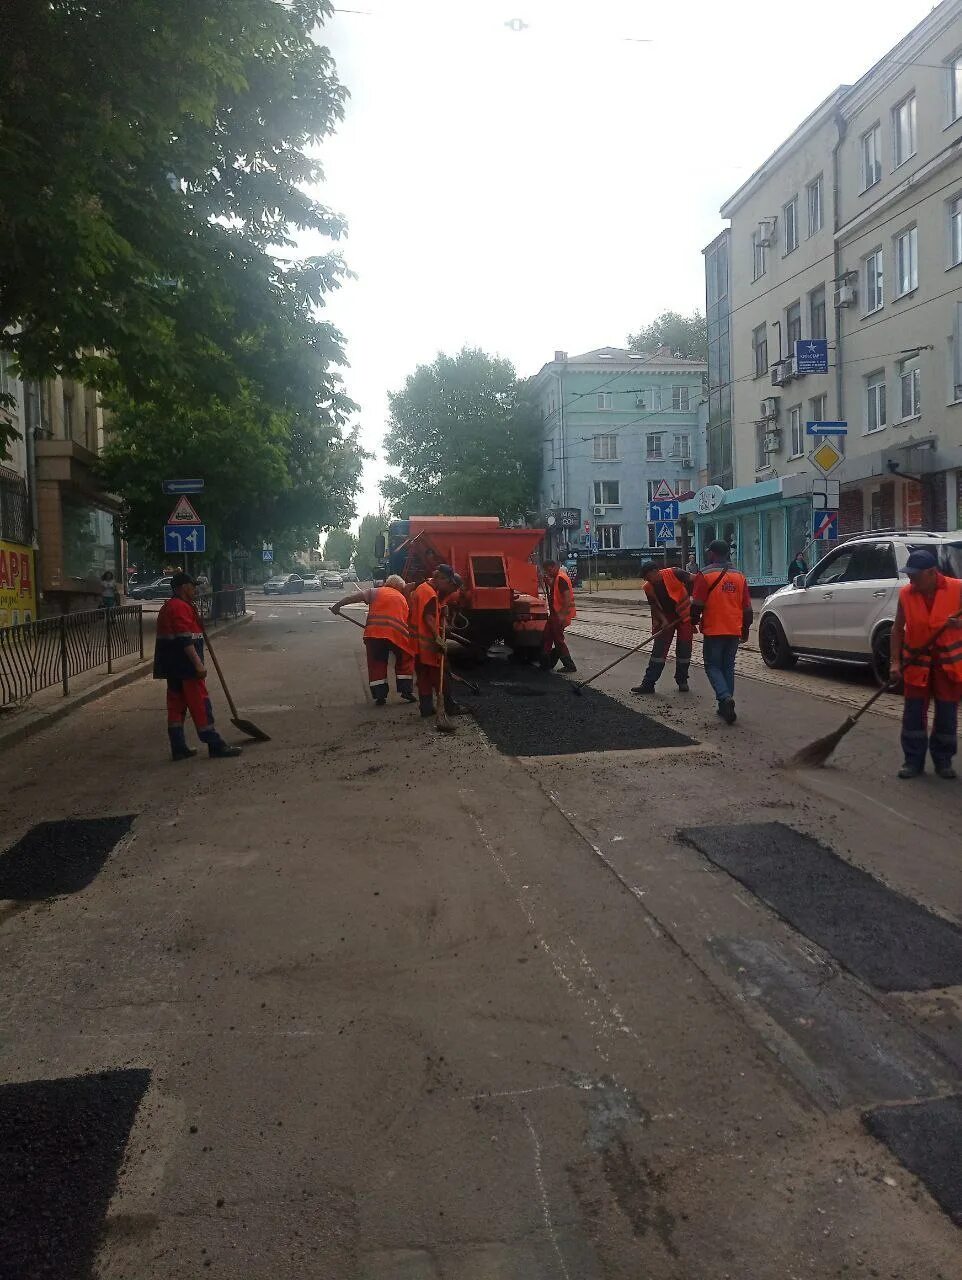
{"x": 816, "y": 214}
{"x": 872, "y": 157}
{"x": 604, "y": 399}
{"x": 874, "y": 281}
{"x": 910, "y": 380}
{"x": 906, "y": 261}
{"x": 609, "y": 536}
{"x": 68, "y": 415}
{"x": 607, "y": 493}
{"x": 790, "y": 212}
{"x": 955, "y": 88}
{"x": 796, "y": 431}
{"x": 875, "y": 414}
{"x": 758, "y": 256}
{"x": 903, "y": 130}
{"x": 681, "y": 447}
{"x": 955, "y": 232}
{"x": 680, "y": 399}
{"x": 818, "y": 412}
{"x": 760, "y": 350}
{"x": 656, "y": 400}
{"x": 605, "y": 448}
{"x": 761, "y": 453}
{"x": 793, "y": 326}
{"x": 816, "y": 312}
{"x": 653, "y": 447}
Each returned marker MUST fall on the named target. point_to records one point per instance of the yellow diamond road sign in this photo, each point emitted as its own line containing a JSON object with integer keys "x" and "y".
{"x": 826, "y": 457}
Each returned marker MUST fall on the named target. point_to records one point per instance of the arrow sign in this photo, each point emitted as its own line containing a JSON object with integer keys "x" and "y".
{"x": 660, "y": 511}
{"x": 180, "y": 538}
{"x": 183, "y": 513}
{"x": 183, "y": 486}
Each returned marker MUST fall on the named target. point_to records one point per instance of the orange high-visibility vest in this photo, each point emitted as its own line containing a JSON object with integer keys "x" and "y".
{"x": 423, "y": 646}
{"x": 677, "y": 590}
{"x": 563, "y": 602}
{"x": 920, "y": 649}
{"x": 723, "y": 613}
{"x": 387, "y": 618}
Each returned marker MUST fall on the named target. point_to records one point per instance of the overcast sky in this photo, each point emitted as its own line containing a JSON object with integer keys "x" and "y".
{"x": 552, "y": 187}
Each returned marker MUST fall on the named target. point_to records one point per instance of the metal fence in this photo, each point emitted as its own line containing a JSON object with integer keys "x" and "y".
{"x": 230, "y": 602}
{"x": 37, "y": 655}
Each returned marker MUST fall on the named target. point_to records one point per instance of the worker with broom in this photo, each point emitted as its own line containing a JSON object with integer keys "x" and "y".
{"x": 179, "y": 659}
{"x": 669, "y": 595}
{"x": 427, "y": 635}
{"x": 927, "y": 655}
{"x": 561, "y": 614}
{"x": 386, "y": 631}
{"x": 722, "y": 609}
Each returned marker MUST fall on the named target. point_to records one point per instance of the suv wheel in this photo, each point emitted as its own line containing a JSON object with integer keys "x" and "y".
{"x": 881, "y": 654}
{"x": 775, "y": 649}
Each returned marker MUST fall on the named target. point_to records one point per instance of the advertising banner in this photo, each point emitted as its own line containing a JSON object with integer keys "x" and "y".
{"x": 18, "y": 591}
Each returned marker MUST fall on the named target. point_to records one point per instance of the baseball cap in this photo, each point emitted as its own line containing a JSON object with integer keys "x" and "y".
{"x": 182, "y": 580}
{"x": 919, "y": 561}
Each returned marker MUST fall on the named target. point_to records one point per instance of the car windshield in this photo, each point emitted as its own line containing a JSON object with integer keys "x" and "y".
{"x": 949, "y": 554}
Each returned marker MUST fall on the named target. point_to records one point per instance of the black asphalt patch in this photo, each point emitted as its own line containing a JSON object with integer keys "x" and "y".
{"x": 528, "y": 712}
{"x": 54, "y": 858}
{"x": 61, "y": 1146}
{"x": 877, "y": 934}
{"x": 927, "y": 1138}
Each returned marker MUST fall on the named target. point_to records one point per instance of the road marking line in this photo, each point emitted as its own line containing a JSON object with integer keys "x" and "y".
{"x": 545, "y": 1205}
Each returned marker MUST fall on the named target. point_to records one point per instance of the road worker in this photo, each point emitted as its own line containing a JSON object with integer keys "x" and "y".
{"x": 669, "y": 595}
{"x": 425, "y": 602}
{"x": 179, "y": 659}
{"x": 386, "y": 631}
{"x": 561, "y": 614}
{"x": 722, "y": 608}
{"x": 927, "y": 656}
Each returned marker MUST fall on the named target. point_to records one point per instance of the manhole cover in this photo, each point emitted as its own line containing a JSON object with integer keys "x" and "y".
{"x": 54, "y": 858}
{"x": 927, "y": 1138}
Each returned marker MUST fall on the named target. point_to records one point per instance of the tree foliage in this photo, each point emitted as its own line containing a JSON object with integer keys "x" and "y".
{"x": 340, "y": 545}
{"x": 687, "y": 335}
{"x": 365, "y": 561}
{"x": 465, "y": 439}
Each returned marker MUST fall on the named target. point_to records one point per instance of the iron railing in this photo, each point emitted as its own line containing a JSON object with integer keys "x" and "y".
{"x": 230, "y": 602}
{"x": 37, "y": 655}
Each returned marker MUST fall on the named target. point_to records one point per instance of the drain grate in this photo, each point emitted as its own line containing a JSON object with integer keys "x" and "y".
{"x": 927, "y": 1138}
{"x": 54, "y": 858}
{"x": 876, "y": 933}
{"x": 61, "y": 1145}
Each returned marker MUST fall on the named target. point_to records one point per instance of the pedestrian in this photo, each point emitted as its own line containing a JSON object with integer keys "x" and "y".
{"x": 798, "y": 566}
{"x": 179, "y": 659}
{"x": 691, "y": 568}
{"x": 722, "y": 609}
{"x": 110, "y": 596}
{"x": 386, "y": 631}
{"x": 927, "y": 656}
{"x": 561, "y": 613}
{"x": 669, "y": 595}
{"x": 425, "y": 603}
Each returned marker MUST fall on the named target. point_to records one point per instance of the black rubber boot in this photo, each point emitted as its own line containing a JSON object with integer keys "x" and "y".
{"x": 406, "y": 694}
{"x": 644, "y": 687}
{"x": 179, "y": 749}
{"x": 910, "y": 771}
{"x": 380, "y": 702}
{"x": 681, "y": 678}
{"x": 426, "y": 703}
{"x": 222, "y": 750}
{"x": 567, "y": 662}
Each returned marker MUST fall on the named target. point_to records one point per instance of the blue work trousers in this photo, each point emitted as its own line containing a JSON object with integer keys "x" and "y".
{"x": 719, "y": 654}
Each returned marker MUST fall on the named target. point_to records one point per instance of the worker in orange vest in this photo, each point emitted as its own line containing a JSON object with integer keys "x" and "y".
{"x": 386, "y": 631}
{"x": 561, "y": 613}
{"x": 669, "y": 595}
{"x": 721, "y": 606}
{"x": 426, "y": 603}
{"x": 928, "y": 659}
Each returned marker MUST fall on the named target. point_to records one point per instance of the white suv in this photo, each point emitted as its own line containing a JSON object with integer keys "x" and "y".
{"x": 844, "y": 608}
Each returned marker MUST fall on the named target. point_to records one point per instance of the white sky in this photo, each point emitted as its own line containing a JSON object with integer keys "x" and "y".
{"x": 553, "y": 187}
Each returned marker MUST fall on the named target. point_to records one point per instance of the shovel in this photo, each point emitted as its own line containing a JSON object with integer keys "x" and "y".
{"x": 453, "y": 675}
{"x": 247, "y": 727}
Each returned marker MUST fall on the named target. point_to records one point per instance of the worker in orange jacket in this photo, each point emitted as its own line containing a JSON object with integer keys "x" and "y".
{"x": 669, "y": 595}
{"x": 425, "y": 602}
{"x": 721, "y": 605}
{"x": 929, "y": 661}
{"x": 386, "y": 631}
{"x": 561, "y": 614}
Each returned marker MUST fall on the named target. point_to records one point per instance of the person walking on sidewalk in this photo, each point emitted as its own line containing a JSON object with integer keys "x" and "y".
{"x": 561, "y": 614}
{"x": 425, "y": 602}
{"x": 386, "y": 631}
{"x": 929, "y": 661}
{"x": 179, "y": 659}
{"x": 669, "y": 595}
{"x": 722, "y": 609}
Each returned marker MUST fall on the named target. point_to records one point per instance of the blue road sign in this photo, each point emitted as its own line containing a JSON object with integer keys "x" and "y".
{"x": 179, "y": 538}
{"x": 661, "y": 511}
{"x": 268, "y": 555}
{"x": 826, "y": 428}
{"x": 183, "y": 486}
{"x": 591, "y": 546}
{"x": 824, "y": 525}
{"x": 664, "y": 533}
{"x": 811, "y": 356}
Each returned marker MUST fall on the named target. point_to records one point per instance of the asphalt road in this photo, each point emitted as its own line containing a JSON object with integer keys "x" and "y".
{"x": 416, "y": 1010}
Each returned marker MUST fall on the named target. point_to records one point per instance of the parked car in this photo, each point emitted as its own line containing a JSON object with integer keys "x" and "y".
{"x": 312, "y": 582}
{"x": 330, "y": 579}
{"x": 843, "y": 609}
{"x": 285, "y": 584}
{"x": 157, "y": 589}
{"x": 349, "y": 575}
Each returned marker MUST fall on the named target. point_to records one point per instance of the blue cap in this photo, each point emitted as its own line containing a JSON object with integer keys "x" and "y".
{"x": 919, "y": 561}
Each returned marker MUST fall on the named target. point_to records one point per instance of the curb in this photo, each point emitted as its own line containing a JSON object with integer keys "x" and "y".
{"x": 43, "y": 720}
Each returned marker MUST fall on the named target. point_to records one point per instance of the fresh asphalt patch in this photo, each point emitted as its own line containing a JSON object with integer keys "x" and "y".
{"x": 56, "y": 858}
{"x": 61, "y": 1147}
{"x": 927, "y": 1138}
{"x": 528, "y": 712}
{"x": 879, "y": 935}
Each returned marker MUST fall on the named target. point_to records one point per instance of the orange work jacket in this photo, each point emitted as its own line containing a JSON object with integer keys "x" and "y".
{"x": 676, "y": 590}
{"x": 387, "y": 618}
{"x": 563, "y": 602}
{"x": 724, "y": 609}
{"x": 919, "y": 649}
{"x": 422, "y": 641}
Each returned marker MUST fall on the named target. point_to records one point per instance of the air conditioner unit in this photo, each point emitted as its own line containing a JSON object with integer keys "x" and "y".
{"x": 783, "y": 372}
{"x": 769, "y": 407}
{"x": 845, "y": 295}
{"x": 598, "y": 511}
{"x": 640, "y": 402}
{"x": 687, "y": 463}
{"x": 766, "y": 234}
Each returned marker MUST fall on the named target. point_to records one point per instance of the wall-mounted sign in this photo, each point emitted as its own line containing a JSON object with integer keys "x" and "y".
{"x": 709, "y": 499}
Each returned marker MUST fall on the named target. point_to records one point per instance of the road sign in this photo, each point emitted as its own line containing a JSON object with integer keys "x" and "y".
{"x": 179, "y": 538}
{"x": 587, "y": 526}
{"x": 824, "y": 526}
{"x": 811, "y": 356}
{"x": 183, "y": 513}
{"x": 183, "y": 486}
{"x": 825, "y": 494}
{"x": 664, "y": 532}
{"x": 658, "y": 511}
{"x": 826, "y": 428}
{"x": 268, "y": 555}
{"x": 709, "y": 499}
{"x": 826, "y": 458}
{"x": 663, "y": 492}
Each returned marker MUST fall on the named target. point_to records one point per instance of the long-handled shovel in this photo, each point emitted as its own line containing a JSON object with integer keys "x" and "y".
{"x": 246, "y": 727}
{"x": 453, "y": 675}
{"x": 443, "y": 722}
{"x": 583, "y": 684}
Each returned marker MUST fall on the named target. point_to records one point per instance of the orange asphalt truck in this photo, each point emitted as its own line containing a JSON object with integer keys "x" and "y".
{"x": 501, "y": 599}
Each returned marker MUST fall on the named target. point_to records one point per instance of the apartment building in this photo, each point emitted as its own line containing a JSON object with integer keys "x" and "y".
{"x": 617, "y": 429}
{"x": 851, "y": 231}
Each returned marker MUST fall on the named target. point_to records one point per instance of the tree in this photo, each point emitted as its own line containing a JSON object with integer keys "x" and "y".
{"x": 465, "y": 439}
{"x": 340, "y": 545}
{"x": 365, "y": 560}
{"x": 687, "y": 335}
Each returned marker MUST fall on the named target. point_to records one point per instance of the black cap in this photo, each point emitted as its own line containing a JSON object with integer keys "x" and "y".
{"x": 446, "y": 571}
{"x": 919, "y": 561}
{"x": 182, "y": 580}
{"x": 719, "y": 548}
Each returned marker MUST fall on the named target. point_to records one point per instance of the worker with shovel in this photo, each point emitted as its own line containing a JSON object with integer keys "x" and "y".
{"x": 927, "y": 655}
{"x": 561, "y": 614}
{"x": 179, "y": 659}
{"x": 669, "y": 595}
{"x": 386, "y": 631}
{"x": 428, "y": 636}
